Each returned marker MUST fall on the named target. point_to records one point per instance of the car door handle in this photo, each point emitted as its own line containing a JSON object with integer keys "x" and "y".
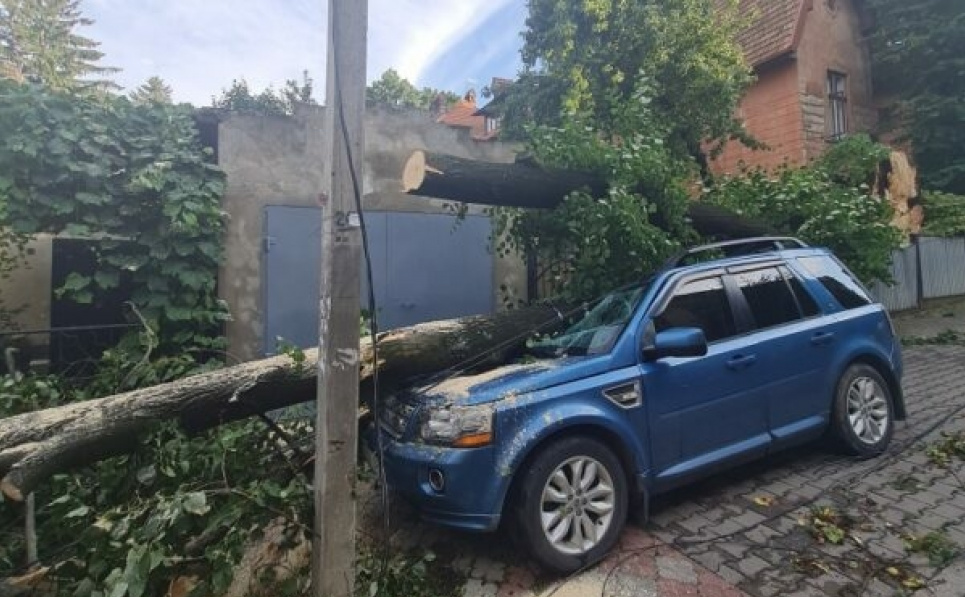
{"x": 741, "y": 362}
{"x": 822, "y": 338}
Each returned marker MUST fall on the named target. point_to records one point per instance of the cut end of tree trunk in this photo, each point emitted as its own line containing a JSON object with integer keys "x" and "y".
{"x": 414, "y": 171}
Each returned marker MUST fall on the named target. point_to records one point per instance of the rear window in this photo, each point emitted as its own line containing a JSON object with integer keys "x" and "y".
{"x": 768, "y": 296}
{"x": 804, "y": 299}
{"x": 839, "y": 282}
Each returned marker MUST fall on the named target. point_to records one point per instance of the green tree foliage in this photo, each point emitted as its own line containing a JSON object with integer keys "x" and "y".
{"x": 176, "y": 505}
{"x": 820, "y": 205}
{"x": 918, "y": 52}
{"x": 392, "y": 90}
{"x": 240, "y": 98}
{"x": 39, "y": 43}
{"x": 180, "y": 505}
{"x": 153, "y": 91}
{"x": 630, "y": 91}
{"x": 585, "y": 57}
{"x": 135, "y": 176}
{"x": 602, "y": 242}
{"x": 855, "y": 161}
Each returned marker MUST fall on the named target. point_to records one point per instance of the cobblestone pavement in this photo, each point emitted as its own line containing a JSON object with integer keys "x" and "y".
{"x": 746, "y": 531}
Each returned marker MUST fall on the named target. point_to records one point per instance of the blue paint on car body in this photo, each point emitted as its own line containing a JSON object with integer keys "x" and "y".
{"x": 788, "y": 323}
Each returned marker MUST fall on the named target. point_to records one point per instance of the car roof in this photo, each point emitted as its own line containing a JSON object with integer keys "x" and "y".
{"x": 741, "y": 252}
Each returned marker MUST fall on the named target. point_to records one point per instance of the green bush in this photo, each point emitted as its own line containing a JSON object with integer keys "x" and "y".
{"x": 944, "y": 214}
{"x": 121, "y": 526}
{"x": 809, "y": 204}
{"x": 854, "y": 160}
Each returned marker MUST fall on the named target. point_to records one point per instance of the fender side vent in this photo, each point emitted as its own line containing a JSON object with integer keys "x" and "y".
{"x": 626, "y": 395}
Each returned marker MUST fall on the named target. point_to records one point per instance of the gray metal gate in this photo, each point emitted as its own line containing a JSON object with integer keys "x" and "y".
{"x": 290, "y": 276}
{"x": 425, "y": 267}
{"x": 931, "y": 267}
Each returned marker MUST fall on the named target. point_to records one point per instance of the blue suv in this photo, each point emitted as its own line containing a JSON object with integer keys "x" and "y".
{"x": 733, "y": 351}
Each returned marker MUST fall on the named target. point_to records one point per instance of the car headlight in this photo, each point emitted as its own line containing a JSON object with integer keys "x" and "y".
{"x": 459, "y": 426}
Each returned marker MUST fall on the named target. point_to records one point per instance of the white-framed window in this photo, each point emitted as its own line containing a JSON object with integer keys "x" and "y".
{"x": 838, "y": 105}
{"x": 492, "y": 124}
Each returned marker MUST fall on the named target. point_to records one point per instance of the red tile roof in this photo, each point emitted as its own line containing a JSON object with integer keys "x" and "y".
{"x": 464, "y": 114}
{"x": 774, "y": 28}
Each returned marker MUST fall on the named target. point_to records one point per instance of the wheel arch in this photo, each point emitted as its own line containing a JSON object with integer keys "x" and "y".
{"x": 600, "y": 432}
{"x": 881, "y": 365}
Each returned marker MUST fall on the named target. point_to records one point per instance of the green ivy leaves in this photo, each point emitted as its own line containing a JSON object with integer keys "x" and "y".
{"x": 134, "y": 176}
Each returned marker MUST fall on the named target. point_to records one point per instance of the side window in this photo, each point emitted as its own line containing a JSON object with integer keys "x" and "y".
{"x": 839, "y": 282}
{"x": 769, "y": 297}
{"x": 701, "y": 304}
{"x": 809, "y": 307}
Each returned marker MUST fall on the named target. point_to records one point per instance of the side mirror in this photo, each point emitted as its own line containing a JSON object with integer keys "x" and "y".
{"x": 677, "y": 342}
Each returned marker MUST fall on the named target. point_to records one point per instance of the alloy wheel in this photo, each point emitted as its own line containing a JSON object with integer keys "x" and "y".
{"x": 868, "y": 410}
{"x": 577, "y": 505}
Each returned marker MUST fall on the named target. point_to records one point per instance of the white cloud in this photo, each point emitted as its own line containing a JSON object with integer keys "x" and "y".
{"x": 200, "y": 46}
{"x": 409, "y": 35}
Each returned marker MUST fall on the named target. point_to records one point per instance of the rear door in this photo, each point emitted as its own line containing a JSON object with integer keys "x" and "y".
{"x": 794, "y": 343}
{"x": 702, "y": 410}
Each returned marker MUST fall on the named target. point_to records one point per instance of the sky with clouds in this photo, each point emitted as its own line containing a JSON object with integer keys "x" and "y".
{"x": 200, "y": 46}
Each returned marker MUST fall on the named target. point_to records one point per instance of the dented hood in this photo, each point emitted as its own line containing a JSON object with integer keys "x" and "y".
{"x": 514, "y": 380}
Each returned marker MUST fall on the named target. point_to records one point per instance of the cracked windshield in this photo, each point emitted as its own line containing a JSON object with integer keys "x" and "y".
{"x": 482, "y": 298}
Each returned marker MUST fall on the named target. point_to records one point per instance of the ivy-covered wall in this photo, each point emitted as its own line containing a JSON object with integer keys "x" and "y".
{"x": 274, "y": 160}
{"x": 135, "y": 177}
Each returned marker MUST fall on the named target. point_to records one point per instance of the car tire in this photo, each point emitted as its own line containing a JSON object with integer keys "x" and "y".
{"x": 863, "y": 414}
{"x": 569, "y": 525}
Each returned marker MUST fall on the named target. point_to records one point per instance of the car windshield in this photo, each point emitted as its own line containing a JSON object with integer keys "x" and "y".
{"x": 598, "y": 328}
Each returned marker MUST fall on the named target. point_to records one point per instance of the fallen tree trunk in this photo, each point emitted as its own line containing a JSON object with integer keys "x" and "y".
{"x": 36, "y": 445}
{"x": 526, "y": 185}
{"x": 506, "y": 185}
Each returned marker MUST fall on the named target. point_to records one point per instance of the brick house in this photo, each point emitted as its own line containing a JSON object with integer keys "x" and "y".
{"x": 813, "y": 80}
{"x": 465, "y": 114}
{"x": 483, "y": 123}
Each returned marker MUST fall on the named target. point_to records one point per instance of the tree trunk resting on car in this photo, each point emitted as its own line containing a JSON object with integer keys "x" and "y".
{"x": 527, "y": 185}
{"x": 36, "y": 445}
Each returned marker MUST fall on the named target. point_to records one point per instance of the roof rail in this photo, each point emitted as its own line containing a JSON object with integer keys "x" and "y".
{"x": 744, "y": 246}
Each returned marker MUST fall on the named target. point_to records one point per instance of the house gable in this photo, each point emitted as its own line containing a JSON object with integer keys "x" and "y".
{"x": 803, "y": 53}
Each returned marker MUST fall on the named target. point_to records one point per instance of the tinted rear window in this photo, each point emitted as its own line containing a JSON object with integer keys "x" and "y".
{"x": 837, "y": 280}
{"x": 804, "y": 299}
{"x": 768, "y": 296}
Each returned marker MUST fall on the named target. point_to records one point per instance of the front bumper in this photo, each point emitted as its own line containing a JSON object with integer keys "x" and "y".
{"x": 472, "y": 496}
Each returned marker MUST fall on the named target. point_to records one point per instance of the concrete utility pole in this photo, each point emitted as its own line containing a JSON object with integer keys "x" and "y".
{"x": 333, "y": 562}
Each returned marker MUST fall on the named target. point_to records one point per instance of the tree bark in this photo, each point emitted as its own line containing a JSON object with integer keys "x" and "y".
{"x": 506, "y": 185}
{"x": 528, "y": 185}
{"x": 36, "y": 445}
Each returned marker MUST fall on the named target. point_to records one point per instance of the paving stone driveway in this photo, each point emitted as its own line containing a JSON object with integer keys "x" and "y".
{"x": 741, "y": 532}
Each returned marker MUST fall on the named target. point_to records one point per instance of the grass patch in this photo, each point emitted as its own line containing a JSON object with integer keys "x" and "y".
{"x": 936, "y": 545}
{"x": 949, "y": 447}
{"x": 946, "y": 338}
